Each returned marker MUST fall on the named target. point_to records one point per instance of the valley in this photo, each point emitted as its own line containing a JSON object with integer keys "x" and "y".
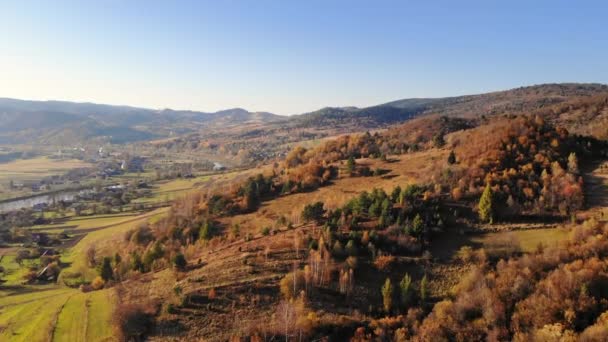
{"x": 340, "y": 224}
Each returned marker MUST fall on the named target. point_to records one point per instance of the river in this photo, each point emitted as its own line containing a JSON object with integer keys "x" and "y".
{"x": 29, "y": 202}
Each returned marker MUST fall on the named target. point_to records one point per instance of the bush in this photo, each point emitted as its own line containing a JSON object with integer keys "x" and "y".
{"x": 132, "y": 321}
{"x": 179, "y": 261}
{"x": 313, "y": 212}
{"x": 97, "y": 283}
{"x": 384, "y": 262}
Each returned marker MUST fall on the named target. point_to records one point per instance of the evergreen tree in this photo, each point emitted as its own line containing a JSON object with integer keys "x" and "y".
{"x": 452, "y": 158}
{"x": 179, "y": 261}
{"x": 351, "y": 249}
{"x": 417, "y": 225}
{"x": 350, "y": 165}
{"x": 286, "y": 187}
{"x": 387, "y": 295}
{"x": 424, "y": 289}
{"x": 136, "y": 263}
{"x": 438, "y": 140}
{"x": 486, "y": 205}
{"x": 117, "y": 258}
{"x": 105, "y": 269}
{"x": 406, "y": 291}
{"x": 205, "y": 231}
{"x": 395, "y": 194}
{"x": 313, "y": 212}
{"x": 251, "y": 195}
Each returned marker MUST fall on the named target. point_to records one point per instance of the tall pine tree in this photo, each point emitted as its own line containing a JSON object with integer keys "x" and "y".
{"x": 486, "y": 205}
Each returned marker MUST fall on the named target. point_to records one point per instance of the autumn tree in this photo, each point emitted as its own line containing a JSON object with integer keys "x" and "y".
{"x": 573, "y": 163}
{"x": 486, "y": 205}
{"x": 91, "y": 255}
{"x": 387, "y": 295}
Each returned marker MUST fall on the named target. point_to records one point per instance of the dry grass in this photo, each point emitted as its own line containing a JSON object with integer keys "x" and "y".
{"x": 409, "y": 168}
{"x": 37, "y": 168}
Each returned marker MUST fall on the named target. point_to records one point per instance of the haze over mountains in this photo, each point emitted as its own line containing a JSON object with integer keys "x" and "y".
{"x": 61, "y": 122}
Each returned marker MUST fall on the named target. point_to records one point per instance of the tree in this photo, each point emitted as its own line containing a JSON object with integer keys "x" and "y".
{"x": 205, "y": 231}
{"x": 573, "y": 163}
{"x": 406, "y": 291}
{"x": 286, "y": 187}
{"x": 486, "y": 205}
{"x": 424, "y": 289}
{"x": 117, "y": 258}
{"x": 136, "y": 263}
{"x": 387, "y": 295}
{"x": 179, "y": 261}
{"x": 438, "y": 140}
{"x": 350, "y": 165}
{"x": 252, "y": 198}
{"x": 105, "y": 270}
{"x": 452, "y": 158}
{"x": 313, "y": 212}
{"x": 417, "y": 225}
{"x": 91, "y": 255}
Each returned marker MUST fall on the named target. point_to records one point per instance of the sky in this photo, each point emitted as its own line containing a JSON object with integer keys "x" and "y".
{"x": 290, "y": 57}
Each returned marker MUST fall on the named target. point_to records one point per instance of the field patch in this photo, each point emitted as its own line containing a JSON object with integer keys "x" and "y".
{"x": 37, "y": 168}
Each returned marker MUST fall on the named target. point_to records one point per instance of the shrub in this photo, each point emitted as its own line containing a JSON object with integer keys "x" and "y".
{"x": 313, "y": 212}
{"x": 384, "y": 262}
{"x": 132, "y": 321}
{"x": 97, "y": 283}
{"x": 179, "y": 261}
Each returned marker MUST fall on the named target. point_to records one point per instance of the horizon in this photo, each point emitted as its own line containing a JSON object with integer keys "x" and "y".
{"x": 285, "y": 115}
{"x": 293, "y": 58}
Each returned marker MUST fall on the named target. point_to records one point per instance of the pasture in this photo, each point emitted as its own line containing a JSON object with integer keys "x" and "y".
{"x": 37, "y": 168}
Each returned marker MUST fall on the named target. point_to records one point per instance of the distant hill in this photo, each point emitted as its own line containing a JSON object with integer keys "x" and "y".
{"x": 60, "y": 122}
{"x": 495, "y": 103}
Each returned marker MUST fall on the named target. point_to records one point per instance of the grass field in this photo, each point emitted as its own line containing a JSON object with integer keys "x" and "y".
{"x": 103, "y": 240}
{"x": 86, "y": 222}
{"x": 13, "y": 272}
{"x": 164, "y": 191}
{"x": 528, "y": 239}
{"x": 86, "y": 317}
{"x": 56, "y": 314}
{"x": 37, "y": 168}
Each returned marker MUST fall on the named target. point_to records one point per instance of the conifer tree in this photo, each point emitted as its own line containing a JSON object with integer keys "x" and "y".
{"x": 452, "y": 158}
{"x": 486, "y": 205}
{"x": 406, "y": 291}
{"x": 350, "y": 165}
{"x": 387, "y": 295}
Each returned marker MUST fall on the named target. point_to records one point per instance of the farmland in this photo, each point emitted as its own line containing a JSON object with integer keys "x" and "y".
{"x": 37, "y": 168}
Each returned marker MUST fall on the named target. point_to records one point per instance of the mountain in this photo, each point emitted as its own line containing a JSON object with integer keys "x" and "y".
{"x": 61, "y": 122}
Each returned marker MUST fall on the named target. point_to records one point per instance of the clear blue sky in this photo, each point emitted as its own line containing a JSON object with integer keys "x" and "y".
{"x": 293, "y": 56}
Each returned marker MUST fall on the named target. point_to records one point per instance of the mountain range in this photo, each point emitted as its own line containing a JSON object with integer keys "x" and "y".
{"x": 66, "y": 123}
